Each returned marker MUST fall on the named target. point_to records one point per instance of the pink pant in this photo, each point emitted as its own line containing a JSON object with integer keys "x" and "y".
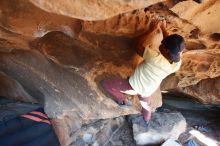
{"x": 118, "y": 87}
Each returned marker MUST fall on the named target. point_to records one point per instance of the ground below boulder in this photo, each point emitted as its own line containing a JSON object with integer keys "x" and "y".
{"x": 184, "y": 121}
{"x": 162, "y": 126}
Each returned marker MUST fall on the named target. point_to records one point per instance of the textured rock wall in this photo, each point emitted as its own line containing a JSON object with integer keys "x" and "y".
{"x": 201, "y": 57}
{"x": 92, "y": 49}
{"x": 201, "y": 15}
{"x": 201, "y": 60}
{"x": 206, "y": 91}
{"x": 46, "y": 58}
{"x": 137, "y": 22}
{"x": 92, "y": 9}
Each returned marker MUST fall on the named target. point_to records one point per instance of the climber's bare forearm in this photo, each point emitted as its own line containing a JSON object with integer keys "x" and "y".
{"x": 140, "y": 44}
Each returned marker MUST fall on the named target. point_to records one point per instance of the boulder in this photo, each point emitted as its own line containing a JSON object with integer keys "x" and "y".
{"x": 11, "y": 89}
{"x": 25, "y": 19}
{"x": 137, "y": 22}
{"x": 115, "y": 35}
{"x": 206, "y": 91}
{"x": 198, "y": 76}
{"x": 162, "y": 126}
{"x": 170, "y": 142}
{"x": 115, "y": 131}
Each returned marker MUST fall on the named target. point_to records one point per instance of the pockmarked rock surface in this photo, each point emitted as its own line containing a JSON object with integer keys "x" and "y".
{"x": 67, "y": 87}
{"x": 137, "y": 22}
{"x": 202, "y": 15}
{"x": 162, "y": 126}
{"x": 198, "y": 65}
{"x": 200, "y": 59}
{"x": 198, "y": 77}
{"x": 92, "y": 9}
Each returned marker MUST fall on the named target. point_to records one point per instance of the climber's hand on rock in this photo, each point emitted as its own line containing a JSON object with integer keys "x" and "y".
{"x": 164, "y": 29}
{"x": 163, "y": 25}
{"x": 156, "y": 24}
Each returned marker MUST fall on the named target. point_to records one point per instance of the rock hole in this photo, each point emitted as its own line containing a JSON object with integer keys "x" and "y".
{"x": 198, "y": 1}
{"x": 146, "y": 9}
{"x": 215, "y": 36}
{"x": 203, "y": 67}
{"x": 175, "y": 30}
{"x": 195, "y": 45}
{"x": 134, "y": 12}
{"x": 194, "y": 33}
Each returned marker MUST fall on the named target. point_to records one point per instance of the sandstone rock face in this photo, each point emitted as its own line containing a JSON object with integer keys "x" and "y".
{"x": 159, "y": 129}
{"x": 57, "y": 69}
{"x": 206, "y": 91}
{"x": 17, "y": 16}
{"x": 137, "y": 22}
{"x": 64, "y": 85}
{"x": 38, "y": 75}
{"x": 92, "y": 9}
{"x": 202, "y": 15}
{"x": 11, "y": 89}
{"x": 129, "y": 24}
{"x": 201, "y": 58}
{"x": 199, "y": 65}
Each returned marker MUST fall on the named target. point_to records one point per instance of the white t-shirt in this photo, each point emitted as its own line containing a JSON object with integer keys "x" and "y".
{"x": 150, "y": 73}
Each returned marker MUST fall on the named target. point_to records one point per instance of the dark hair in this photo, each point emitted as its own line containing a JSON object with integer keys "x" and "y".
{"x": 175, "y": 44}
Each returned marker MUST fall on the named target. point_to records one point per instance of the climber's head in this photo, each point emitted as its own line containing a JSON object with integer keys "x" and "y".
{"x": 172, "y": 47}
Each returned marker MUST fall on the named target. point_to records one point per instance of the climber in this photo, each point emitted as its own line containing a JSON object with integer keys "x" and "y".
{"x": 162, "y": 56}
